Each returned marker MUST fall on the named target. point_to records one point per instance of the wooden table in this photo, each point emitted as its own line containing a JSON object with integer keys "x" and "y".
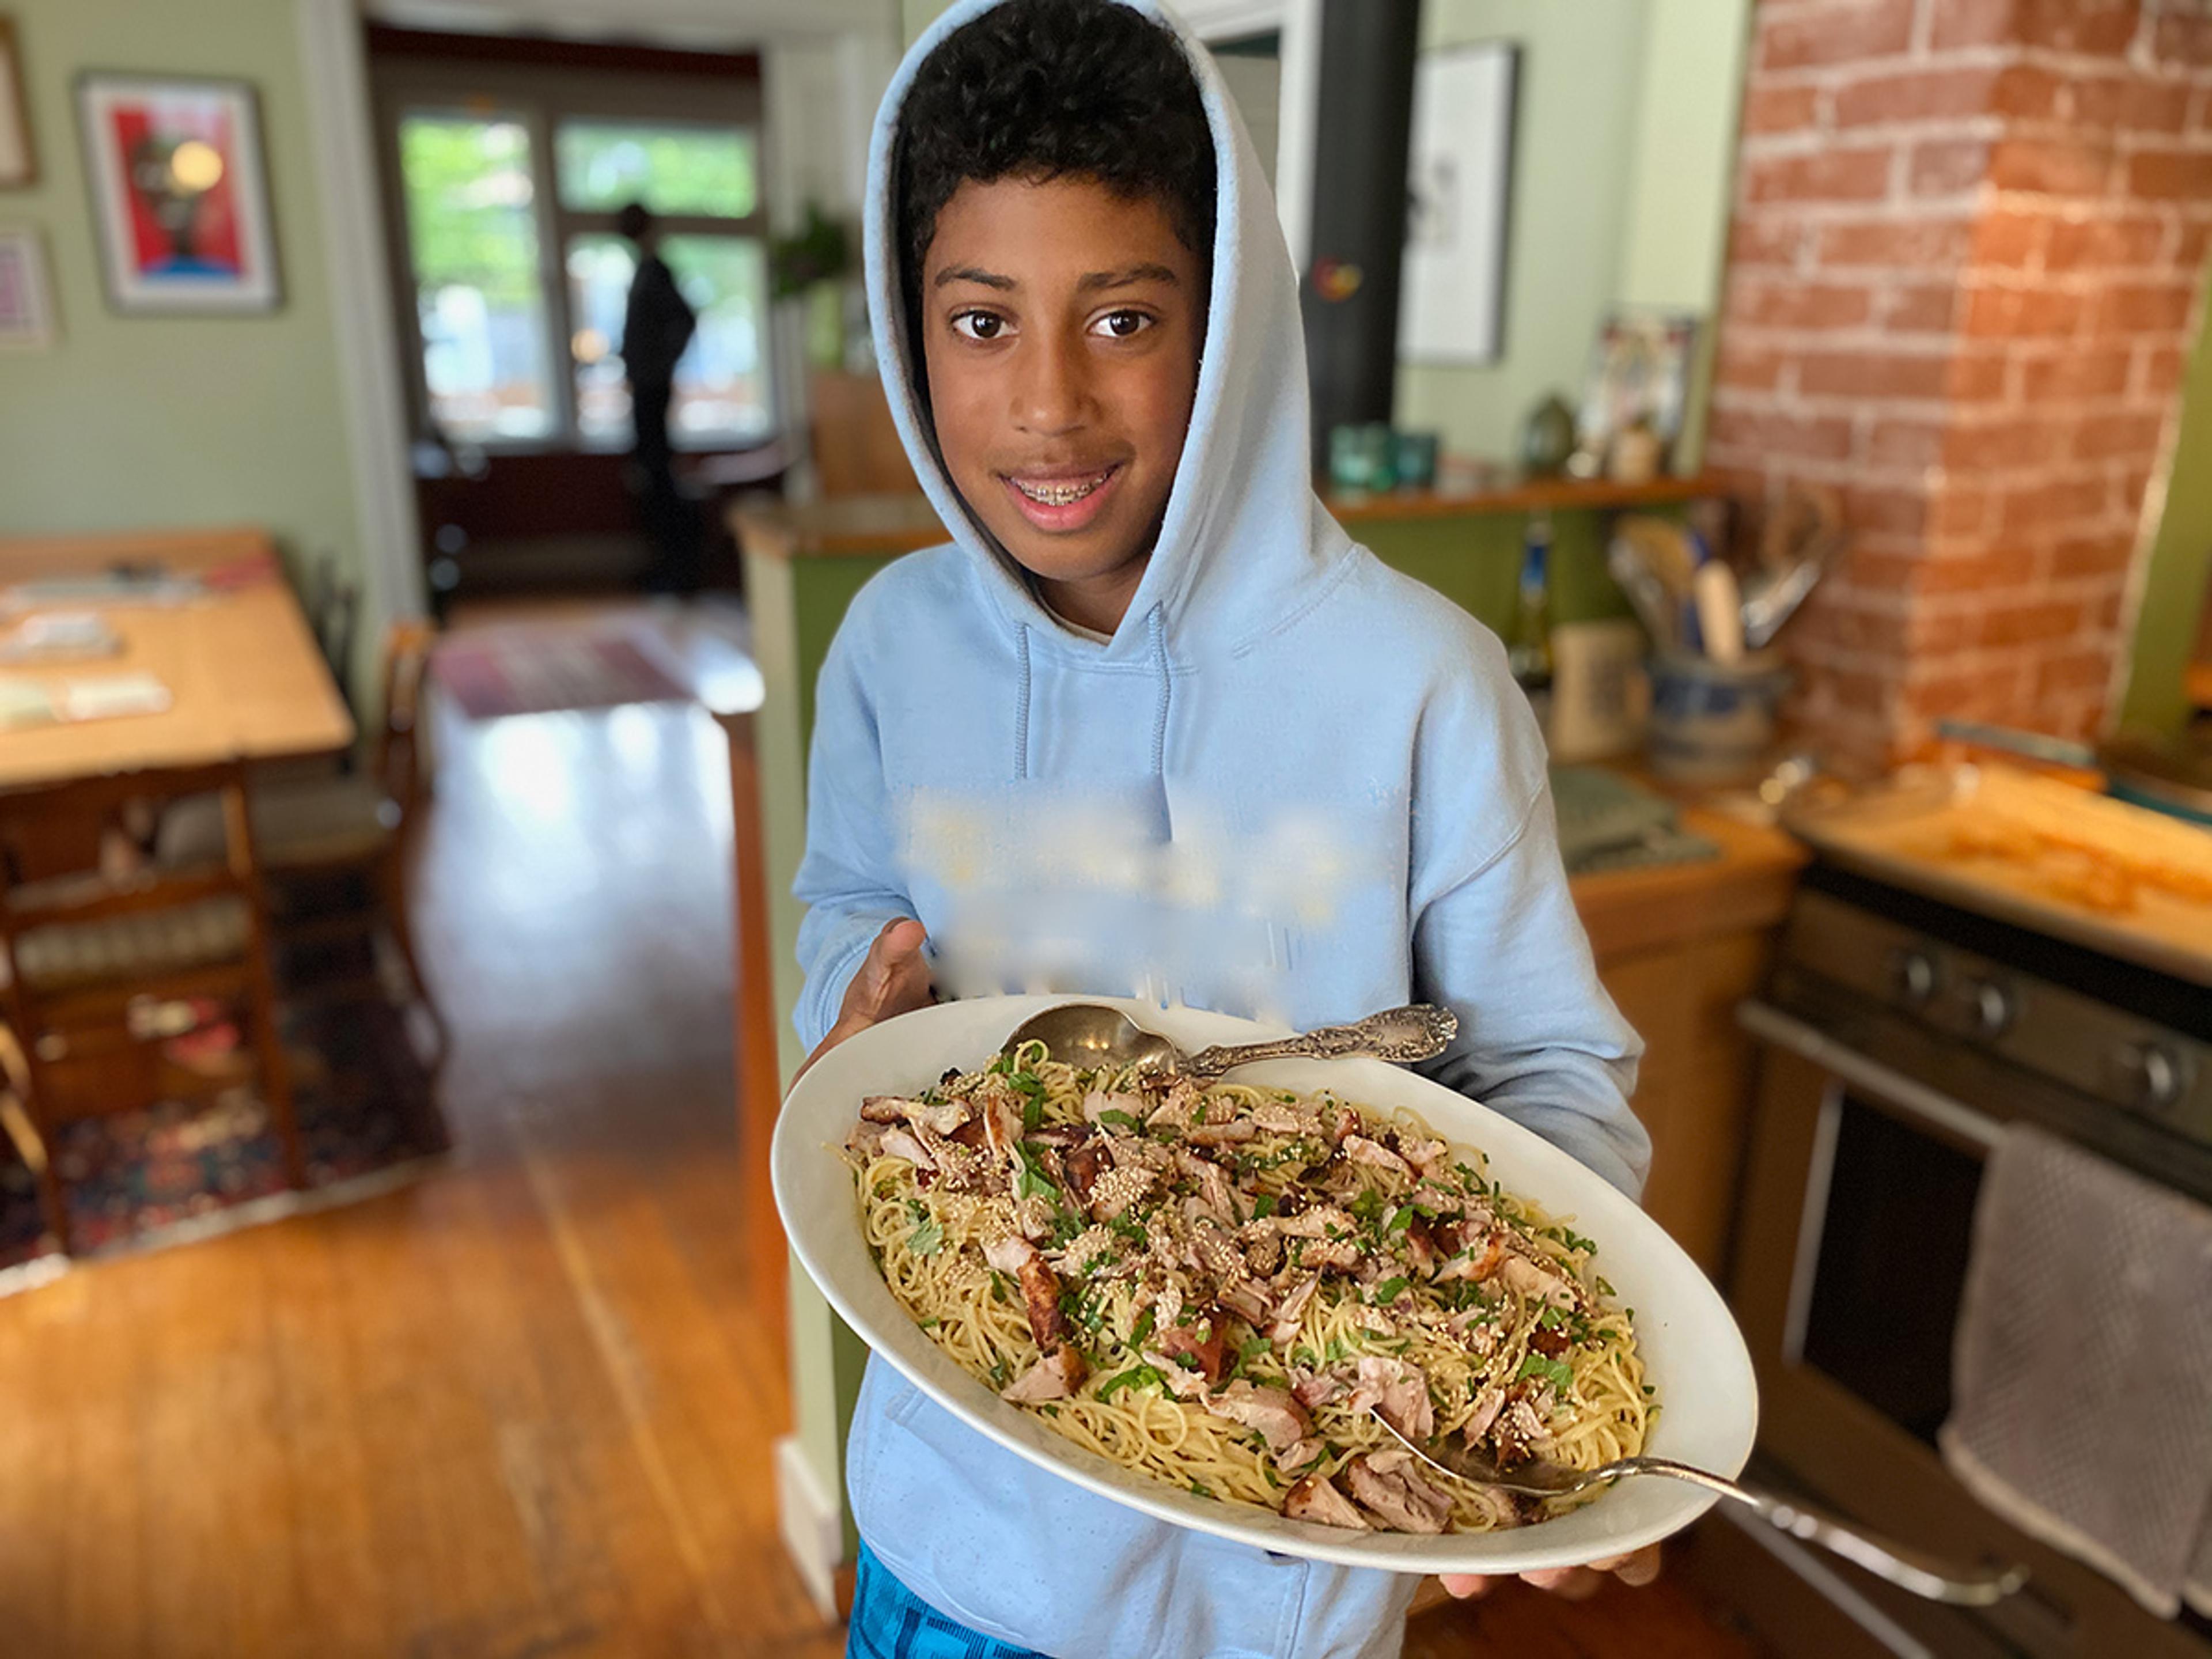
{"x": 245, "y": 679}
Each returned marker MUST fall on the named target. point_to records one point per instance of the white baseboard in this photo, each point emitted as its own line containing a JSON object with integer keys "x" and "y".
{"x": 813, "y": 1529}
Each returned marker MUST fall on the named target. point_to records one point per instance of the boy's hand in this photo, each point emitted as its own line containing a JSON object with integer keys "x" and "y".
{"x": 1575, "y": 1583}
{"x": 894, "y": 980}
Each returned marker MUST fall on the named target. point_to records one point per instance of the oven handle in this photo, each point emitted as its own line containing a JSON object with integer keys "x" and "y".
{"x": 1903, "y": 1094}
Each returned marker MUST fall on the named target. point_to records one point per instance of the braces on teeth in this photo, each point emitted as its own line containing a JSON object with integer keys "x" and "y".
{"x": 1060, "y": 494}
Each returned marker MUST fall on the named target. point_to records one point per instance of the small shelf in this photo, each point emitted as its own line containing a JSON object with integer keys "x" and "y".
{"x": 1521, "y": 495}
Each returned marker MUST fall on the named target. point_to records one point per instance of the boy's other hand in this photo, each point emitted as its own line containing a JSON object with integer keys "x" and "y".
{"x": 1575, "y": 1583}
{"x": 893, "y": 981}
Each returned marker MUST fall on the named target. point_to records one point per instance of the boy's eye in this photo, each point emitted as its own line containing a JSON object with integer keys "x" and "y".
{"x": 978, "y": 325}
{"x": 1123, "y": 324}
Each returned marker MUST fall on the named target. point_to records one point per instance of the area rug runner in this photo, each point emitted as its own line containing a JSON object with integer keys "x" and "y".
{"x": 176, "y": 1171}
{"x": 537, "y": 669}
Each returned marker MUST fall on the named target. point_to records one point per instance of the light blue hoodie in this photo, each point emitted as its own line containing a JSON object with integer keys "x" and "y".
{"x": 1293, "y": 785}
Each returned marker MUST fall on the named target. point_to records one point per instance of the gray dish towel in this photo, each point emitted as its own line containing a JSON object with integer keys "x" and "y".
{"x": 2082, "y": 1376}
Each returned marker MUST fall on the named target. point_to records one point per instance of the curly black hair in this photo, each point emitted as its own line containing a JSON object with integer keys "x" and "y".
{"x": 1049, "y": 89}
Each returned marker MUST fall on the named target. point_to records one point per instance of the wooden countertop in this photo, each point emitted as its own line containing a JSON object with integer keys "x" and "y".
{"x": 872, "y": 527}
{"x": 1748, "y": 886}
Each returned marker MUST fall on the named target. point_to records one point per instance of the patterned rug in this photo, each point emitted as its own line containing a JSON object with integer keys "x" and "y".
{"x": 536, "y": 669}
{"x": 175, "y": 1171}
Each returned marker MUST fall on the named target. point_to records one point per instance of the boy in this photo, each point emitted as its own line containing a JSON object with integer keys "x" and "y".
{"x": 1151, "y": 723}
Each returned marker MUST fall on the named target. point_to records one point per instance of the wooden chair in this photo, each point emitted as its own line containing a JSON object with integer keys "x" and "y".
{"x": 333, "y": 849}
{"x": 99, "y": 960}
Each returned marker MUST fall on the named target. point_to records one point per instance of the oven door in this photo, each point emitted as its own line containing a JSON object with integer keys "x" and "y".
{"x": 1856, "y": 1220}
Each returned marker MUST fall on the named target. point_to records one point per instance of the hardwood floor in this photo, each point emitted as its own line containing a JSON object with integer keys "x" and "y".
{"x": 523, "y": 1409}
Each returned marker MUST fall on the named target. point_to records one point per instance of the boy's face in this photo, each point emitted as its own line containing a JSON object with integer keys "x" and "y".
{"x": 1061, "y": 326}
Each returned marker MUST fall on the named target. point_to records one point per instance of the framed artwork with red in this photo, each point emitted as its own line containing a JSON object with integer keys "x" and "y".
{"x": 179, "y": 193}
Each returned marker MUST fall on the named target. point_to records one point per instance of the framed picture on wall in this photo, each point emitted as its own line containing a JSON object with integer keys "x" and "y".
{"x": 27, "y": 315}
{"x": 18, "y": 165}
{"x": 1639, "y": 375}
{"x": 1459, "y": 185}
{"x": 179, "y": 195}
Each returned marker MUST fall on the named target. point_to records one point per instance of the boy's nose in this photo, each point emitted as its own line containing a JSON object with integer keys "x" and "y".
{"x": 1052, "y": 392}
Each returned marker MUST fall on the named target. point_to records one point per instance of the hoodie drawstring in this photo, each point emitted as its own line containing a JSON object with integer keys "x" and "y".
{"x": 1022, "y": 714}
{"x": 1160, "y": 720}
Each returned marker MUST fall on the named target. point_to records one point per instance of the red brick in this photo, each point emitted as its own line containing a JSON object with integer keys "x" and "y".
{"x": 2024, "y": 90}
{"x": 1972, "y": 23}
{"x": 1798, "y": 305}
{"x": 2145, "y": 308}
{"x": 2163, "y": 366}
{"x": 1946, "y": 166}
{"x": 2128, "y": 491}
{"x": 2103, "y": 243}
{"x": 2083, "y": 26}
{"x": 2132, "y": 103}
{"x": 2028, "y": 622}
{"x": 1873, "y": 374}
{"x": 2108, "y": 437}
{"x": 2083, "y": 669}
{"x": 2009, "y": 242}
{"x": 1921, "y": 244}
{"x": 2167, "y": 173}
{"x": 1958, "y": 511}
{"x": 2092, "y": 555}
{"x": 2188, "y": 247}
{"x": 1765, "y": 242}
{"x": 1780, "y": 109}
{"x": 2182, "y": 39}
{"x": 2051, "y": 167}
{"x": 1983, "y": 693}
{"x": 1822, "y": 438}
{"x": 1747, "y": 368}
{"x": 1899, "y": 443}
{"x": 1926, "y": 309}
{"x": 2015, "y": 311}
{"x": 1925, "y": 95}
{"x": 2051, "y": 506}
{"x": 1827, "y": 175}
{"x": 1901, "y": 512}
{"x": 1834, "y": 33}
{"x": 1999, "y": 446}
{"x": 2101, "y": 372}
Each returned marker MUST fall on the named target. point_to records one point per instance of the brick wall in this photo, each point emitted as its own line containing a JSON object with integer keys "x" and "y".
{"x": 1968, "y": 239}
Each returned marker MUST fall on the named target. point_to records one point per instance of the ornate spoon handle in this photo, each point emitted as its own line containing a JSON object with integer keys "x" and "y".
{"x": 1401, "y": 1036}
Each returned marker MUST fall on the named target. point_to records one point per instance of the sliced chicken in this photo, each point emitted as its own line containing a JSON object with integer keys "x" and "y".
{"x": 1386, "y": 1483}
{"x": 885, "y": 1108}
{"x": 1287, "y": 1117}
{"x": 1280, "y": 1419}
{"x": 1040, "y": 1288}
{"x": 1214, "y": 1185}
{"x": 1541, "y": 1282}
{"x": 1321, "y": 1221}
{"x": 1181, "y": 1382}
{"x": 1318, "y": 1388}
{"x": 1373, "y": 1153}
{"x": 1205, "y": 1339}
{"x": 1099, "y": 1102}
{"x": 1292, "y": 1309}
{"x": 1315, "y": 1499}
{"x": 1425, "y": 1152}
{"x": 1249, "y": 1301}
{"x": 1300, "y": 1455}
{"x": 1113, "y": 1192}
{"x": 1487, "y": 1407}
{"x": 1399, "y": 1389}
{"x": 898, "y": 1143}
{"x": 1085, "y": 1165}
{"x": 866, "y": 1140}
{"x": 1056, "y": 1377}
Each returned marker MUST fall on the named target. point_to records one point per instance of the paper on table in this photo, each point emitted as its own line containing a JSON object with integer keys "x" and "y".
{"x": 91, "y": 697}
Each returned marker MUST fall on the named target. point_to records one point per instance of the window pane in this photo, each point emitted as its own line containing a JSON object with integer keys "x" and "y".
{"x": 722, "y": 380}
{"x": 472, "y": 236}
{"x": 605, "y": 165}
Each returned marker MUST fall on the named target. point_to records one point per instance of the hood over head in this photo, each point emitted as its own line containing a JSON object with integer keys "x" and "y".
{"x": 1243, "y": 536}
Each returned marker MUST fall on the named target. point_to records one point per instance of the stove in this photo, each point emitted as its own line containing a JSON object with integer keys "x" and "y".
{"x": 1900, "y": 1036}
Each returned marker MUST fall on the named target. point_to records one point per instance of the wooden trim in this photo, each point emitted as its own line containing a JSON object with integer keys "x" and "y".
{"x": 1524, "y": 495}
{"x": 1747, "y": 888}
{"x": 391, "y": 40}
{"x": 759, "y": 1090}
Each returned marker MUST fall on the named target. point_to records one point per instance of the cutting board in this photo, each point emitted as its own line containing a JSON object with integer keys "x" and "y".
{"x": 2035, "y": 852}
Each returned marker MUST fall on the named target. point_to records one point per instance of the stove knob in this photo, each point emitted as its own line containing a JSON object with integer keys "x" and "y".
{"x": 1916, "y": 976}
{"x": 2156, "y": 1073}
{"x": 1990, "y": 1005}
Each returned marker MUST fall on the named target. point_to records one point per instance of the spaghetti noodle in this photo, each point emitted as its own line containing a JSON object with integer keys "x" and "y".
{"x": 1220, "y": 1285}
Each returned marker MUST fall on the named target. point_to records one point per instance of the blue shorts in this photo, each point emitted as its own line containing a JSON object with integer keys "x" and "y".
{"x": 890, "y": 1621}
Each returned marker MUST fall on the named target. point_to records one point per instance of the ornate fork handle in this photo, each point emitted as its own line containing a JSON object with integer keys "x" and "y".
{"x": 1401, "y": 1036}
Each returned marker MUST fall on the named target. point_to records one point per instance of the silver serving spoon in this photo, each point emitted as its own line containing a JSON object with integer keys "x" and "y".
{"x": 1909, "y": 1569}
{"x": 1090, "y": 1034}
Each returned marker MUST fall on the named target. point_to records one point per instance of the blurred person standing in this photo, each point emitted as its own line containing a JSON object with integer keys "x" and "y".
{"x": 658, "y": 323}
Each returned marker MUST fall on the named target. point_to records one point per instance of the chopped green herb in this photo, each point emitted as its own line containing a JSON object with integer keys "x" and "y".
{"x": 1336, "y": 1350}
{"x": 1368, "y": 1207}
{"x": 1136, "y": 1377}
{"x": 1550, "y": 1317}
{"x": 1198, "y": 1113}
{"x": 998, "y": 1282}
{"x": 1557, "y": 1372}
{"x": 1263, "y": 1206}
{"x": 1143, "y": 1328}
{"x": 1388, "y": 1290}
{"x": 1400, "y": 1219}
{"x": 1603, "y": 1289}
{"x": 1201, "y": 1490}
{"x": 1119, "y": 1119}
{"x": 928, "y": 1239}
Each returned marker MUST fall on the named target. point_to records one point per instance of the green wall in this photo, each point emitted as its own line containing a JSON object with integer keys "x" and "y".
{"x": 1624, "y": 153}
{"x": 127, "y": 422}
{"x": 2177, "y": 582}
